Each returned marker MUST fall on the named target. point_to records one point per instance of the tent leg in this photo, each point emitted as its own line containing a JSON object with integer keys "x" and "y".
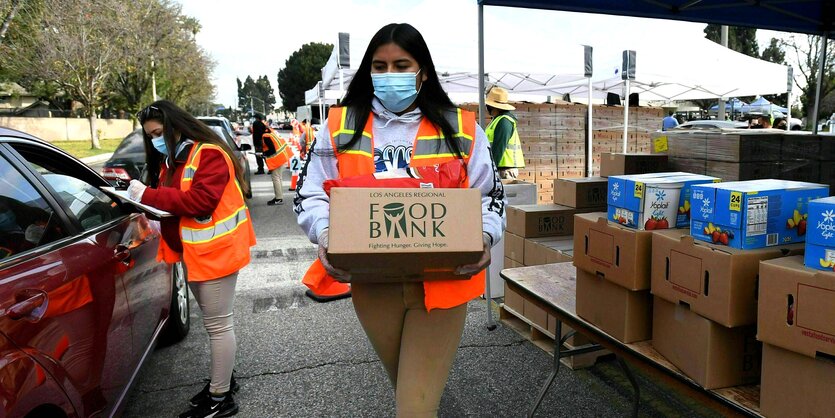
{"x": 821, "y": 65}
{"x": 590, "y": 133}
{"x": 626, "y": 118}
{"x": 482, "y": 109}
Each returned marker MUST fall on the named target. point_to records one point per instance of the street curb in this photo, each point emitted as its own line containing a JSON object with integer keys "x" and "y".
{"x": 93, "y": 159}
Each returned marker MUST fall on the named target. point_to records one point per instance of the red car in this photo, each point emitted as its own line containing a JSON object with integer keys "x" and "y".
{"x": 83, "y": 300}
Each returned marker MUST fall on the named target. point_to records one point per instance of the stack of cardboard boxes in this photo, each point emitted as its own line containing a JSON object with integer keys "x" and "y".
{"x": 796, "y": 324}
{"x": 613, "y": 256}
{"x": 750, "y": 154}
{"x": 727, "y": 297}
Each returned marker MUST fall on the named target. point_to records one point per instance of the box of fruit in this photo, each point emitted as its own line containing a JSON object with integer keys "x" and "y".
{"x": 820, "y": 241}
{"x": 753, "y": 214}
{"x": 652, "y": 201}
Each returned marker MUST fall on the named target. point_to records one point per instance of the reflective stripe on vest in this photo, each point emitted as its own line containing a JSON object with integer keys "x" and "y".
{"x": 219, "y": 229}
{"x": 512, "y": 155}
{"x": 342, "y": 136}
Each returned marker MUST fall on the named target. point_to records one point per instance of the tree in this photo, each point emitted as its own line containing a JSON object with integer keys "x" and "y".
{"x": 77, "y": 49}
{"x": 7, "y": 20}
{"x": 806, "y": 49}
{"x": 740, "y": 39}
{"x": 264, "y": 92}
{"x": 301, "y": 72}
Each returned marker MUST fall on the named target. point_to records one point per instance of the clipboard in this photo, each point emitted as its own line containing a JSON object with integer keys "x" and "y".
{"x": 122, "y": 196}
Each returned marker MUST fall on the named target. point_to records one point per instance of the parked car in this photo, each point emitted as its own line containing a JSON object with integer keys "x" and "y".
{"x": 239, "y": 137}
{"x": 128, "y": 161}
{"x": 711, "y": 124}
{"x": 83, "y": 300}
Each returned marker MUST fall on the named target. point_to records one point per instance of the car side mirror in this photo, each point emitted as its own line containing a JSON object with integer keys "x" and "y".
{"x": 246, "y": 147}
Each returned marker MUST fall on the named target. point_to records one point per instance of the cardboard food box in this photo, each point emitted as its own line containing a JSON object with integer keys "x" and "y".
{"x": 653, "y": 201}
{"x": 514, "y": 247}
{"x": 797, "y": 307}
{"x": 742, "y": 146}
{"x": 794, "y": 385}
{"x": 624, "y": 314}
{"x": 713, "y": 355}
{"x": 752, "y": 214}
{"x": 584, "y": 192}
{"x": 519, "y": 192}
{"x": 820, "y": 241}
{"x": 547, "y": 250}
{"x": 510, "y": 263}
{"x": 800, "y": 145}
{"x": 621, "y": 255}
{"x": 717, "y": 282}
{"x": 513, "y": 300}
{"x": 612, "y": 164}
{"x": 404, "y": 234}
{"x": 751, "y": 170}
{"x": 532, "y": 221}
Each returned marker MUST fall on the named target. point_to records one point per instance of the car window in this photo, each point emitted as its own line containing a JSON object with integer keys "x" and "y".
{"x": 131, "y": 144}
{"x": 225, "y": 136}
{"x": 26, "y": 219}
{"x": 91, "y": 206}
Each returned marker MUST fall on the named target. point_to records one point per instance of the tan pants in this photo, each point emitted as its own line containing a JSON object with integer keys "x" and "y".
{"x": 278, "y": 186}
{"x": 416, "y": 347}
{"x": 216, "y": 299}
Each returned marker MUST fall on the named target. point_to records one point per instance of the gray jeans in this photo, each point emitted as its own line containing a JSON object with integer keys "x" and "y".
{"x": 216, "y": 299}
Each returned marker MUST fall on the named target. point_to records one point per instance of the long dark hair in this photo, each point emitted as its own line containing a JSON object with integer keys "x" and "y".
{"x": 179, "y": 124}
{"x": 432, "y": 99}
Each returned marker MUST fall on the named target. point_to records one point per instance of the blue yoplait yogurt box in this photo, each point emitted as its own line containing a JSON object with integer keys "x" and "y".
{"x": 653, "y": 201}
{"x": 753, "y": 214}
{"x": 820, "y": 241}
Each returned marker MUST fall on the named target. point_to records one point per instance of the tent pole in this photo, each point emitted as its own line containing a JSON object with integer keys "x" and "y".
{"x": 789, "y": 83}
{"x": 481, "y": 106}
{"x": 821, "y": 65}
{"x": 626, "y": 118}
{"x": 589, "y": 147}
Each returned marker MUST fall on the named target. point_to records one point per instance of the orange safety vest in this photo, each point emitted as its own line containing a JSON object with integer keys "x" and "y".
{"x": 283, "y": 153}
{"x": 429, "y": 149}
{"x": 308, "y": 136}
{"x": 217, "y": 245}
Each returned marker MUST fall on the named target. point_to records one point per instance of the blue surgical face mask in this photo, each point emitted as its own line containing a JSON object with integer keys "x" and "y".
{"x": 159, "y": 144}
{"x": 395, "y": 90}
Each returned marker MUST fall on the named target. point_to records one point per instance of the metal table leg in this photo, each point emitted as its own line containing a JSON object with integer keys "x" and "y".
{"x": 488, "y": 296}
{"x": 559, "y": 353}
{"x": 637, "y": 402}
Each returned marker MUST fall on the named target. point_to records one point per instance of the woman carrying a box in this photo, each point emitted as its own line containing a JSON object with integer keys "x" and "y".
{"x": 396, "y": 115}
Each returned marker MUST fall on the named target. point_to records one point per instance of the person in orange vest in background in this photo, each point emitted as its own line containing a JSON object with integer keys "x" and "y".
{"x": 307, "y": 137}
{"x": 398, "y": 117}
{"x": 277, "y": 154}
{"x": 194, "y": 176}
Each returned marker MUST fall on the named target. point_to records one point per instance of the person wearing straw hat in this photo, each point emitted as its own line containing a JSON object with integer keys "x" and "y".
{"x": 505, "y": 145}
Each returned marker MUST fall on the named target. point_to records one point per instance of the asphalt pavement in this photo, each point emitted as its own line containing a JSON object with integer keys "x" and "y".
{"x": 299, "y": 358}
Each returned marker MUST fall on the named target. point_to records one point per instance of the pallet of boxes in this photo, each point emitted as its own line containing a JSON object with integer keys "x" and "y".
{"x": 542, "y": 234}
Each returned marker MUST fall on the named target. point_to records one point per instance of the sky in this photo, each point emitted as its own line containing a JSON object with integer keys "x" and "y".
{"x": 255, "y": 37}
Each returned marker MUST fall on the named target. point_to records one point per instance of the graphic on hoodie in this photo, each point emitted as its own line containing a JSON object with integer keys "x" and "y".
{"x": 392, "y": 157}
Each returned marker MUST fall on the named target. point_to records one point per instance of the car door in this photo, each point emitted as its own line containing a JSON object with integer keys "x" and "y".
{"x": 117, "y": 257}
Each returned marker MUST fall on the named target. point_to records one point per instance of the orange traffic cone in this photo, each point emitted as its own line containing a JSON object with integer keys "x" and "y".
{"x": 293, "y": 180}
{"x": 321, "y": 287}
